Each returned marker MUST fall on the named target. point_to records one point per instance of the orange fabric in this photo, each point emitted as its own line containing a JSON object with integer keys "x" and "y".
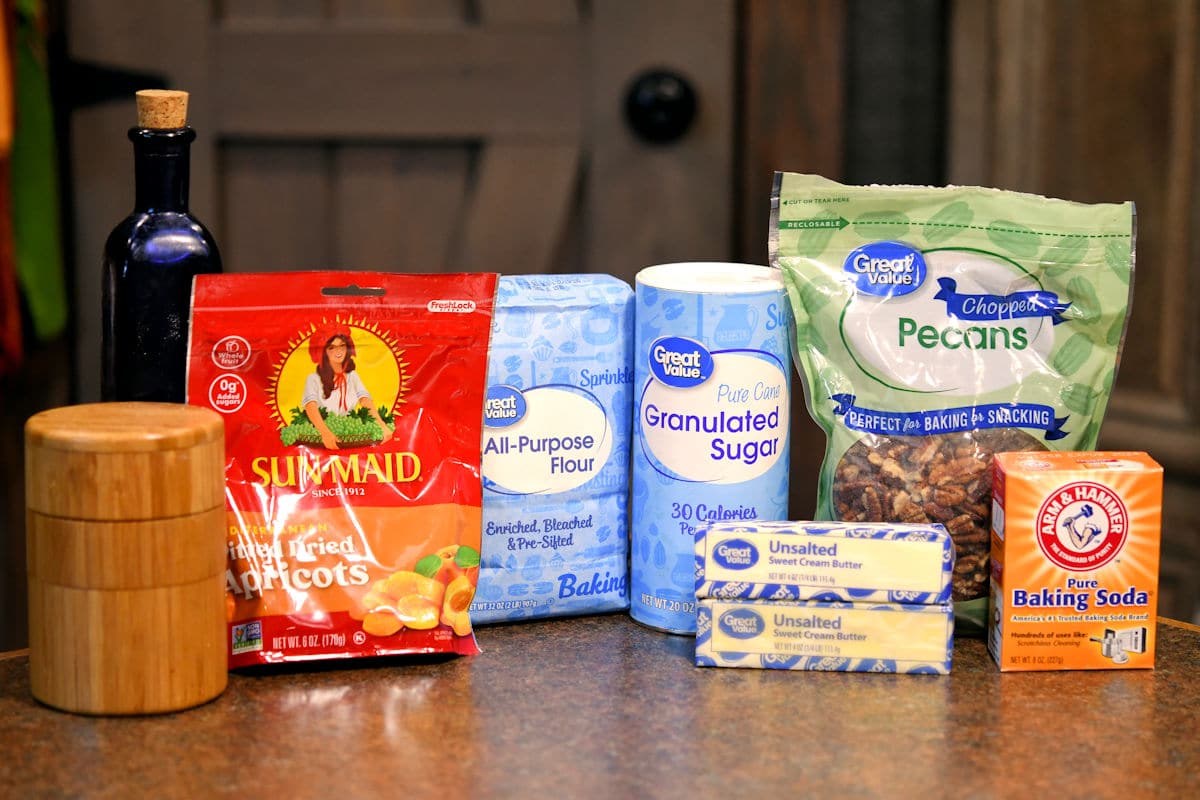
{"x": 11, "y": 353}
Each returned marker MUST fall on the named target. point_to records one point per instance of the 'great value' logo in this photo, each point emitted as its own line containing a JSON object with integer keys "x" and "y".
{"x": 503, "y": 406}
{"x": 886, "y": 269}
{"x": 680, "y": 362}
{"x": 741, "y": 623}
{"x": 735, "y": 554}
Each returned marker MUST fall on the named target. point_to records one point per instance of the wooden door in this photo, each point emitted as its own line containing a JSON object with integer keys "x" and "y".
{"x": 415, "y": 135}
{"x": 1098, "y": 101}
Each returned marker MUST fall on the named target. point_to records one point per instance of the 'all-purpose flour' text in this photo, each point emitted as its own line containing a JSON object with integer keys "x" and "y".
{"x": 552, "y": 447}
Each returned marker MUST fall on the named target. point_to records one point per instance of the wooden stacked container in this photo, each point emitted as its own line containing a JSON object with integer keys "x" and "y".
{"x": 125, "y": 514}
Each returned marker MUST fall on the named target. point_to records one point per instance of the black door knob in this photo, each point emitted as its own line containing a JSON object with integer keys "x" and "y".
{"x": 660, "y": 106}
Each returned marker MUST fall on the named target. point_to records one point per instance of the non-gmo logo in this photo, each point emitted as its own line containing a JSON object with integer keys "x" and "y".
{"x": 680, "y": 362}
{"x": 247, "y": 637}
{"x": 886, "y": 269}
{"x": 735, "y": 554}
{"x": 503, "y": 406}
{"x": 741, "y": 623}
{"x": 1082, "y": 526}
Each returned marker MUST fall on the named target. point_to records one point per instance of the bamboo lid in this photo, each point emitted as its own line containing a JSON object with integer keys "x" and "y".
{"x": 124, "y": 461}
{"x": 161, "y": 109}
{"x": 123, "y": 427}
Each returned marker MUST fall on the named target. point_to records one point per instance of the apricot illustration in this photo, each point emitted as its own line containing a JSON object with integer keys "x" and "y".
{"x": 382, "y": 622}
{"x": 417, "y": 612}
{"x": 459, "y": 593}
{"x": 459, "y": 621}
{"x": 403, "y": 583}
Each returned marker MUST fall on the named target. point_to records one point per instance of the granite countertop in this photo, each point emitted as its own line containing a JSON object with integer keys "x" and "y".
{"x": 602, "y": 707}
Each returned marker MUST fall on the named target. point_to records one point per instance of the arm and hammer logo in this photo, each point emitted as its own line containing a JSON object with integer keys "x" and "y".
{"x": 1082, "y": 526}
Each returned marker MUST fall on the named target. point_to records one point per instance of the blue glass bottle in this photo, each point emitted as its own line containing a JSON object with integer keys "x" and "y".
{"x": 149, "y": 262}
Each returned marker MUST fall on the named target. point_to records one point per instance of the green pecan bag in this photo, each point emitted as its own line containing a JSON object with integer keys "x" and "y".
{"x": 937, "y": 326}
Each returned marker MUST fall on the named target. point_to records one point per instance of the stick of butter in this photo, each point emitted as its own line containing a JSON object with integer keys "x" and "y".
{"x": 860, "y": 562}
{"x": 834, "y": 637}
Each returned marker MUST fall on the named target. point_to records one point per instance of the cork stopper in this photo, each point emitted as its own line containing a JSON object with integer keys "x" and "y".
{"x": 162, "y": 109}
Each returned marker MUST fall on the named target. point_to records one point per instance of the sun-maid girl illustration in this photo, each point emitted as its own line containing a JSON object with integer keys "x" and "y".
{"x": 335, "y": 386}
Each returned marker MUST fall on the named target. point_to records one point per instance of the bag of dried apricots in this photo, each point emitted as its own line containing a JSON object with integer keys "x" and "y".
{"x": 937, "y": 326}
{"x": 353, "y": 404}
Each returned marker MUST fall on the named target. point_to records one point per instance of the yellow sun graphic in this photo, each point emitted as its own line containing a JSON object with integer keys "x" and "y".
{"x": 378, "y": 360}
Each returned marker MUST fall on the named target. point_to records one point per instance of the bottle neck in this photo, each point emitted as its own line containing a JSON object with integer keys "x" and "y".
{"x": 160, "y": 168}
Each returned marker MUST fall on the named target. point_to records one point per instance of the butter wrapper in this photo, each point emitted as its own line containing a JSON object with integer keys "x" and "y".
{"x": 829, "y": 561}
{"x": 828, "y": 637}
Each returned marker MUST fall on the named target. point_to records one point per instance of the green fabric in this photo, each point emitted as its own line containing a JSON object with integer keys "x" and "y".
{"x": 37, "y": 226}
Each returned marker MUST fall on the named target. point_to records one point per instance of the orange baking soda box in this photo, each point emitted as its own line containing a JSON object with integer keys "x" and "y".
{"x": 353, "y": 407}
{"x": 1075, "y": 548}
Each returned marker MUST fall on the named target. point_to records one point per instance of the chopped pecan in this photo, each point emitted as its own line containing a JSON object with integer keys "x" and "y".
{"x": 979, "y": 511}
{"x": 961, "y": 525}
{"x": 871, "y": 506}
{"x": 892, "y": 472}
{"x": 938, "y": 512}
{"x": 950, "y": 496}
{"x": 978, "y": 489}
{"x": 974, "y": 536}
